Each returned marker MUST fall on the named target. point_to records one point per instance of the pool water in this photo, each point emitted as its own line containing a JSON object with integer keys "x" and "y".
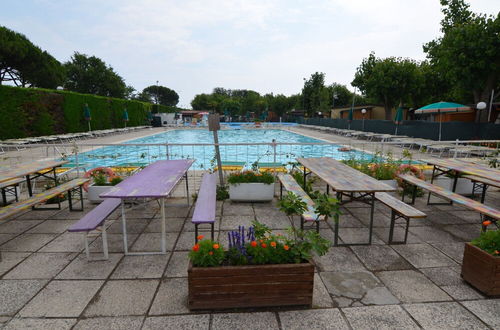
{"x": 205, "y": 155}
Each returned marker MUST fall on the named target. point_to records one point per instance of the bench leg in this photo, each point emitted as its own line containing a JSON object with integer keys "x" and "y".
{"x": 317, "y": 226}
{"x": 394, "y": 217}
{"x": 212, "y": 229}
{"x": 301, "y": 223}
{"x": 195, "y": 233}
{"x": 105, "y": 249}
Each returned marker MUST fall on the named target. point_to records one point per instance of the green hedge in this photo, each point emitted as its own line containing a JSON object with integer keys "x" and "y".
{"x": 28, "y": 112}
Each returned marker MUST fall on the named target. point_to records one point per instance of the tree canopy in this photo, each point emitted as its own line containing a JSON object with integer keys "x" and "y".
{"x": 89, "y": 74}
{"x": 159, "y": 95}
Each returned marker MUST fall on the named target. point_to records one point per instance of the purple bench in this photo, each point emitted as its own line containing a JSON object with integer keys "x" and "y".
{"x": 204, "y": 211}
{"x": 94, "y": 219}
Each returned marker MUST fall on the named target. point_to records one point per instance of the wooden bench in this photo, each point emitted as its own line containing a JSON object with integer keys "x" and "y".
{"x": 481, "y": 183}
{"x": 488, "y": 212}
{"x": 289, "y": 183}
{"x": 10, "y": 187}
{"x": 399, "y": 209}
{"x": 94, "y": 219}
{"x": 69, "y": 187}
{"x": 204, "y": 210}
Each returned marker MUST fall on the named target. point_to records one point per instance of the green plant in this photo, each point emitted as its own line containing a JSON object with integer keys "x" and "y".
{"x": 305, "y": 242}
{"x": 100, "y": 179}
{"x": 327, "y": 206}
{"x": 115, "y": 180}
{"x": 206, "y": 253}
{"x": 292, "y": 204}
{"x": 222, "y": 193}
{"x": 489, "y": 241}
{"x": 250, "y": 177}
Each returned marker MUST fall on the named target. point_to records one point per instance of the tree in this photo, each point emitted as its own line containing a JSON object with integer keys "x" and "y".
{"x": 25, "y": 64}
{"x": 312, "y": 93}
{"x": 389, "y": 81}
{"x": 160, "y": 95}
{"x": 468, "y": 52}
{"x": 91, "y": 75}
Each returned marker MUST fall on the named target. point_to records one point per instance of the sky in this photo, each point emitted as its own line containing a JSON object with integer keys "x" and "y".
{"x": 192, "y": 46}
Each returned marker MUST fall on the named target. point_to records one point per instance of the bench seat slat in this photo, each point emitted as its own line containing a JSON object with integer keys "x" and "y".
{"x": 12, "y": 182}
{"x": 12, "y": 209}
{"x": 459, "y": 199}
{"x": 483, "y": 180}
{"x": 291, "y": 185}
{"x": 204, "y": 211}
{"x": 399, "y": 206}
{"x": 97, "y": 216}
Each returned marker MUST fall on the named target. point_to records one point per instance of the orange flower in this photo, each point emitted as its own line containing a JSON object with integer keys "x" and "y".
{"x": 496, "y": 252}
{"x": 264, "y": 245}
{"x": 261, "y": 240}
{"x": 200, "y": 237}
{"x": 253, "y": 243}
{"x": 273, "y": 244}
{"x": 211, "y": 253}
{"x": 486, "y": 223}
{"x": 196, "y": 247}
{"x": 215, "y": 246}
{"x": 286, "y": 247}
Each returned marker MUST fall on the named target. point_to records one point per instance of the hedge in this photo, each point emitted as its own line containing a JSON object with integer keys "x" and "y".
{"x": 26, "y": 112}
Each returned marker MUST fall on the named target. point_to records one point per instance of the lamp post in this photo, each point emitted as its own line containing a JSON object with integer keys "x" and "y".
{"x": 363, "y": 112}
{"x": 480, "y": 106}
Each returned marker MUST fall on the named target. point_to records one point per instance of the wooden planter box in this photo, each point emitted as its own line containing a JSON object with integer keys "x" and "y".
{"x": 250, "y": 286}
{"x": 481, "y": 270}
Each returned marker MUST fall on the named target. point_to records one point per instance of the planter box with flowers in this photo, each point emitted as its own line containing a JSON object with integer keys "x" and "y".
{"x": 481, "y": 262}
{"x": 103, "y": 178}
{"x": 259, "y": 269}
{"x": 250, "y": 186}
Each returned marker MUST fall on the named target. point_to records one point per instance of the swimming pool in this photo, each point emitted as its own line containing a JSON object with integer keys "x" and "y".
{"x": 165, "y": 145}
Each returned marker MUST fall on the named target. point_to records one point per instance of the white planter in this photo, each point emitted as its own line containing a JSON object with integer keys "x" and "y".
{"x": 94, "y": 192}
{"x": 464, "y": 186}
{"x": 393, "y": 183}
{"x": 251, "y": 192}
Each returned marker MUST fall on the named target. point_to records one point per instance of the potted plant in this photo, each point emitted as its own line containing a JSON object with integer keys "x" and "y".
{"x": 481, "y": 262}
{"x": 251, "y": 186}
{"x": 464, "y": 186}
{"x": 103, "y": 178}
{"x": 259, "y": 269}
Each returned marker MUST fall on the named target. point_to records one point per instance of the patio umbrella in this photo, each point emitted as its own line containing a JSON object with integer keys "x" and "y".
{"x": 125, "y": 116}
{"x": 398, "y": 119}
{"x": 86, "y": 114}
{"x": 443, "y": 107}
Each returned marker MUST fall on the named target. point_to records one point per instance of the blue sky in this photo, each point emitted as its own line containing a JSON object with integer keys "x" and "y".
{"x": 193, "y": 46}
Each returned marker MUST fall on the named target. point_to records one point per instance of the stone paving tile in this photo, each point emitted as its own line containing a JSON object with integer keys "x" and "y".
{"x": 28, "y": 242}
{"x": 178, "y": 322}
{"x": 443, "y": 275}
{"x": 72, "y": 215}
{"x": 123, "y": 297}
{"x": 443, "y": 218}
{"x": 379, "y": 219}
{"x": 312, "y": 319}
{"x": 40, "y": 324}
{"x": 380, "y": 257}
{"x": 174, "y": 212}
{"x": 462, "y": 292}
{"x": 321, "y": 297}
{"x": 357, "y": 235}
{"x": 347, "y": 221}
{"x": 110, "y": 323}
{"x": 152, "y": 242}
{"x": 399, "y": 232}
{"x": 264, "y": 320}
{"x": 186, "y": 239}
{"x": 115, "y": 243}
{"x": 16, "y": 293}
{"x": 466, "y": 216}
{"x": 11, "y": 259}
{"x": 5, "y": 237}
{"x": 423, "y": 255}
{"x": 38, "y": 215}
{"x": 67, "y": 242}
{"x": 82, "y": 269}
{"x": 354, "y": 285}
{"x": 172, "y": 297}
{"x": 411, "y": 286}
{"x": 465, "y": 233}
{"x": 449, "y": 315}
{"x": 61, "y": 299}
{"x": 486, "y": 310}
{"x": 178, "y": 264}
{"x": 52, "y": 227}
{"x": 452, "y": 250}
{"x": 232, "y": 222}
{"x": 144, "y": 266}
{"x": 433, "y": 235}
{"x": 18, "y": 227}
{"x": 133, "y": 227}
{"x": 239, "y": 209}
{"x": 379, "y": 317}
{"x": 279, "y": 221}
{"x": 40, "y": 266}
{"x": 339, "y": 258}
{"x": 173, "y": 225}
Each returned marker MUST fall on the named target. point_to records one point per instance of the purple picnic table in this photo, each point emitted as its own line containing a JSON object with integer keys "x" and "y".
{"x": 155, "y": 181}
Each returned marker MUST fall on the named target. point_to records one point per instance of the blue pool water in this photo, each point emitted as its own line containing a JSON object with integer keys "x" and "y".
{"x": 204, "y": 155}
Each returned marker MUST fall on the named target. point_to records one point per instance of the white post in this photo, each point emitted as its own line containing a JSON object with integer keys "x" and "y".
{"x": 456, "y": 146}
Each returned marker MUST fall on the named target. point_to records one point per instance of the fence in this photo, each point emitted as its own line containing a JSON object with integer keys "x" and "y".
{"x": 415, "y": 128}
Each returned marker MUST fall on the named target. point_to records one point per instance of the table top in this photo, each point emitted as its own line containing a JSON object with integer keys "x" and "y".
{"x": 155, "y": 181}
{"x": 342, "y": 177}
{"x": 465, "y": 167}
{"x": 29, "y": 168}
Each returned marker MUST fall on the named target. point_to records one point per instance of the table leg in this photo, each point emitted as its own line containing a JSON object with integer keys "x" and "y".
{"x": 28, "y": 184}
{"x": 163, "y": 228}
{"x": 187, "y": 189}
{"x": 432, "y": 180}
{"x": 124, "y": 229}
{"x": 372, "y": 195}
{"x": 483, "y": 193}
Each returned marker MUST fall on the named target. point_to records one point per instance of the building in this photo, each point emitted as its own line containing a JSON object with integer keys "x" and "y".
{"x": 372, "y": 112}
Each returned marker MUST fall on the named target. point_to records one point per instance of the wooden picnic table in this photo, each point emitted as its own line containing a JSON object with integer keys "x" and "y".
{"x": 32, "y": 171}
{"x": 346, "y": 181}
{"x": 156, "y": 181}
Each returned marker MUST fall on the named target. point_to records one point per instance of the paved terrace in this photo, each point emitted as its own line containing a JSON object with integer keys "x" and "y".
{"x": 47, "y": 283}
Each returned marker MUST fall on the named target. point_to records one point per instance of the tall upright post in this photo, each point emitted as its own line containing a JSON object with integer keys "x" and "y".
{"x": 214, "y": 126}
